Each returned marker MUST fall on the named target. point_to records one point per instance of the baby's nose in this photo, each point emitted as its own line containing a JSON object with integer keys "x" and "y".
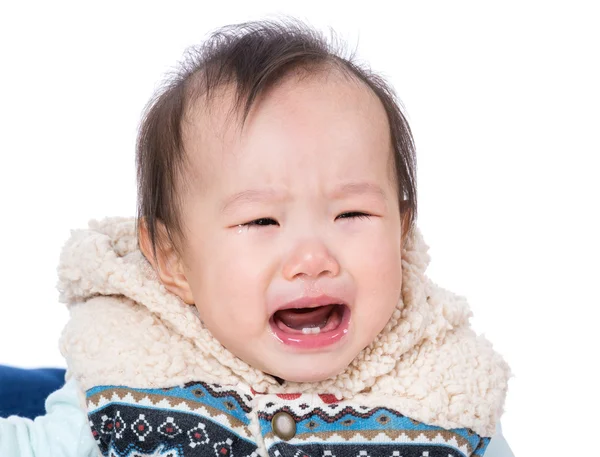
{"x": 311, "y": 259}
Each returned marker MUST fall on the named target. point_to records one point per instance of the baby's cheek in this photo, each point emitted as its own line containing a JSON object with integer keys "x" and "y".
{"x": 377, "y": 271}
{"x": 218, "y": 285}
{"x": 379, "y": 254}
{"x": 240, "y": 294}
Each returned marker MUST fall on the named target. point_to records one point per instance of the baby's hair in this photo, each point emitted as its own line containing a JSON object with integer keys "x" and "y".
{"x": 252, "y": 57}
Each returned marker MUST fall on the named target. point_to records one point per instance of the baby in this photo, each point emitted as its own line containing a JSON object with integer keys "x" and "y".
{"x": 270, "y": 299}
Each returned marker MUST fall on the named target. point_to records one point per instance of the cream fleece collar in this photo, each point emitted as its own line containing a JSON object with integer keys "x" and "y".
{"x": 127, "y": 329}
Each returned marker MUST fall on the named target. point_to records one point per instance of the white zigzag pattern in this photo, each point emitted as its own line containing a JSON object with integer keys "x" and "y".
{"x": 201, "y": 411}
{"x": 379, "y": 438}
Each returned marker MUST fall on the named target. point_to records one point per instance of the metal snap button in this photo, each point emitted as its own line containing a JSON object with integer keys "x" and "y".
{"x": 284, "y": 425}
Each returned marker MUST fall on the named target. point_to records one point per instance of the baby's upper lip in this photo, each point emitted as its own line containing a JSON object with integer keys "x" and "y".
{"x": 311, "y": 302}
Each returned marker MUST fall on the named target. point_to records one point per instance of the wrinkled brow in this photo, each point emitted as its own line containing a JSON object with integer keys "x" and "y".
{"x": 270, "y": 195}
{"x": 251, "y": 196}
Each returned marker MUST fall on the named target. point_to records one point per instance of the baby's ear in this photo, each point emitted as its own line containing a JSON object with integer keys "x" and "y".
{"x": 167, "y": 263}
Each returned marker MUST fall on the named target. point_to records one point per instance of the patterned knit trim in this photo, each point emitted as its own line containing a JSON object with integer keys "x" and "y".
{"x": 138, "y": 422}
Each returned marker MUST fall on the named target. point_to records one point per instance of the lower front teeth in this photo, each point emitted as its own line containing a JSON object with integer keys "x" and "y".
{"x": 313, "y": 330}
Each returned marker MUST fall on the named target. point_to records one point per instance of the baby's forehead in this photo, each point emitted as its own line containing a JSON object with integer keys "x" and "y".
{"x": 292, "y": 130}
{"x": 217, "y": 121}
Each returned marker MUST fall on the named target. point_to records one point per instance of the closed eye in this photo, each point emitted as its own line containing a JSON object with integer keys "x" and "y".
{"x": 263, "y": 221}
{"x": 354, "y": 215}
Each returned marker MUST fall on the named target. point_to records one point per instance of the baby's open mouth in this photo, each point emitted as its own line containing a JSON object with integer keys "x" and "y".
{"x": 310, "y": 320}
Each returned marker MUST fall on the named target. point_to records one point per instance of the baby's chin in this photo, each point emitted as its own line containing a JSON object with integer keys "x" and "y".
{"x": 309, "y": 369}
{"x": 299, "y": 365}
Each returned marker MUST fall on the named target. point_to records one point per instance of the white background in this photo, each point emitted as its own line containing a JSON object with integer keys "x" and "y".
{"x": 504, "y": 103}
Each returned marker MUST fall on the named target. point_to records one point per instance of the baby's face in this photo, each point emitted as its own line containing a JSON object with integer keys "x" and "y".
{"x": 293, "y": 249}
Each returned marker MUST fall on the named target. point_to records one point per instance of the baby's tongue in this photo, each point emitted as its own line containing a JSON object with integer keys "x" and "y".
{"x": 306, "y": 317}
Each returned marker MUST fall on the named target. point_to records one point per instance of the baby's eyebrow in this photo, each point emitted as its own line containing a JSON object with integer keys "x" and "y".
{"x": 251, "y": 196}
{"x": 357, "y": 188}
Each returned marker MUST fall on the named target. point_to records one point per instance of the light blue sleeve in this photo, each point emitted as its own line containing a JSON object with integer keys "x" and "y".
{"x": 498, "y": 446}
{"x": 63, "y": 432}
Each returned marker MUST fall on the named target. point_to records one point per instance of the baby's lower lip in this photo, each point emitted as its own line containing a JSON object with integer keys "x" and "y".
{"x": 329, "y": 335}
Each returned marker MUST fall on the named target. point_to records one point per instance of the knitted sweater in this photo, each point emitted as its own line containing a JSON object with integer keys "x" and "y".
{"x": 156, "y": 382}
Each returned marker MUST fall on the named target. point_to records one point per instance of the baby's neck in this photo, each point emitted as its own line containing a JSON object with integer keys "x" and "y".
{"x": 279, "y": 380}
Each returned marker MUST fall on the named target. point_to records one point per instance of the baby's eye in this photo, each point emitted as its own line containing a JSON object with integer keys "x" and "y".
{"x": 260, "y": 222}
{"x": 354, "y": 215}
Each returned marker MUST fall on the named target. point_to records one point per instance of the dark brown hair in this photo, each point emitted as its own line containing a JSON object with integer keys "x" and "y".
{"x": 251, "y": 57}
